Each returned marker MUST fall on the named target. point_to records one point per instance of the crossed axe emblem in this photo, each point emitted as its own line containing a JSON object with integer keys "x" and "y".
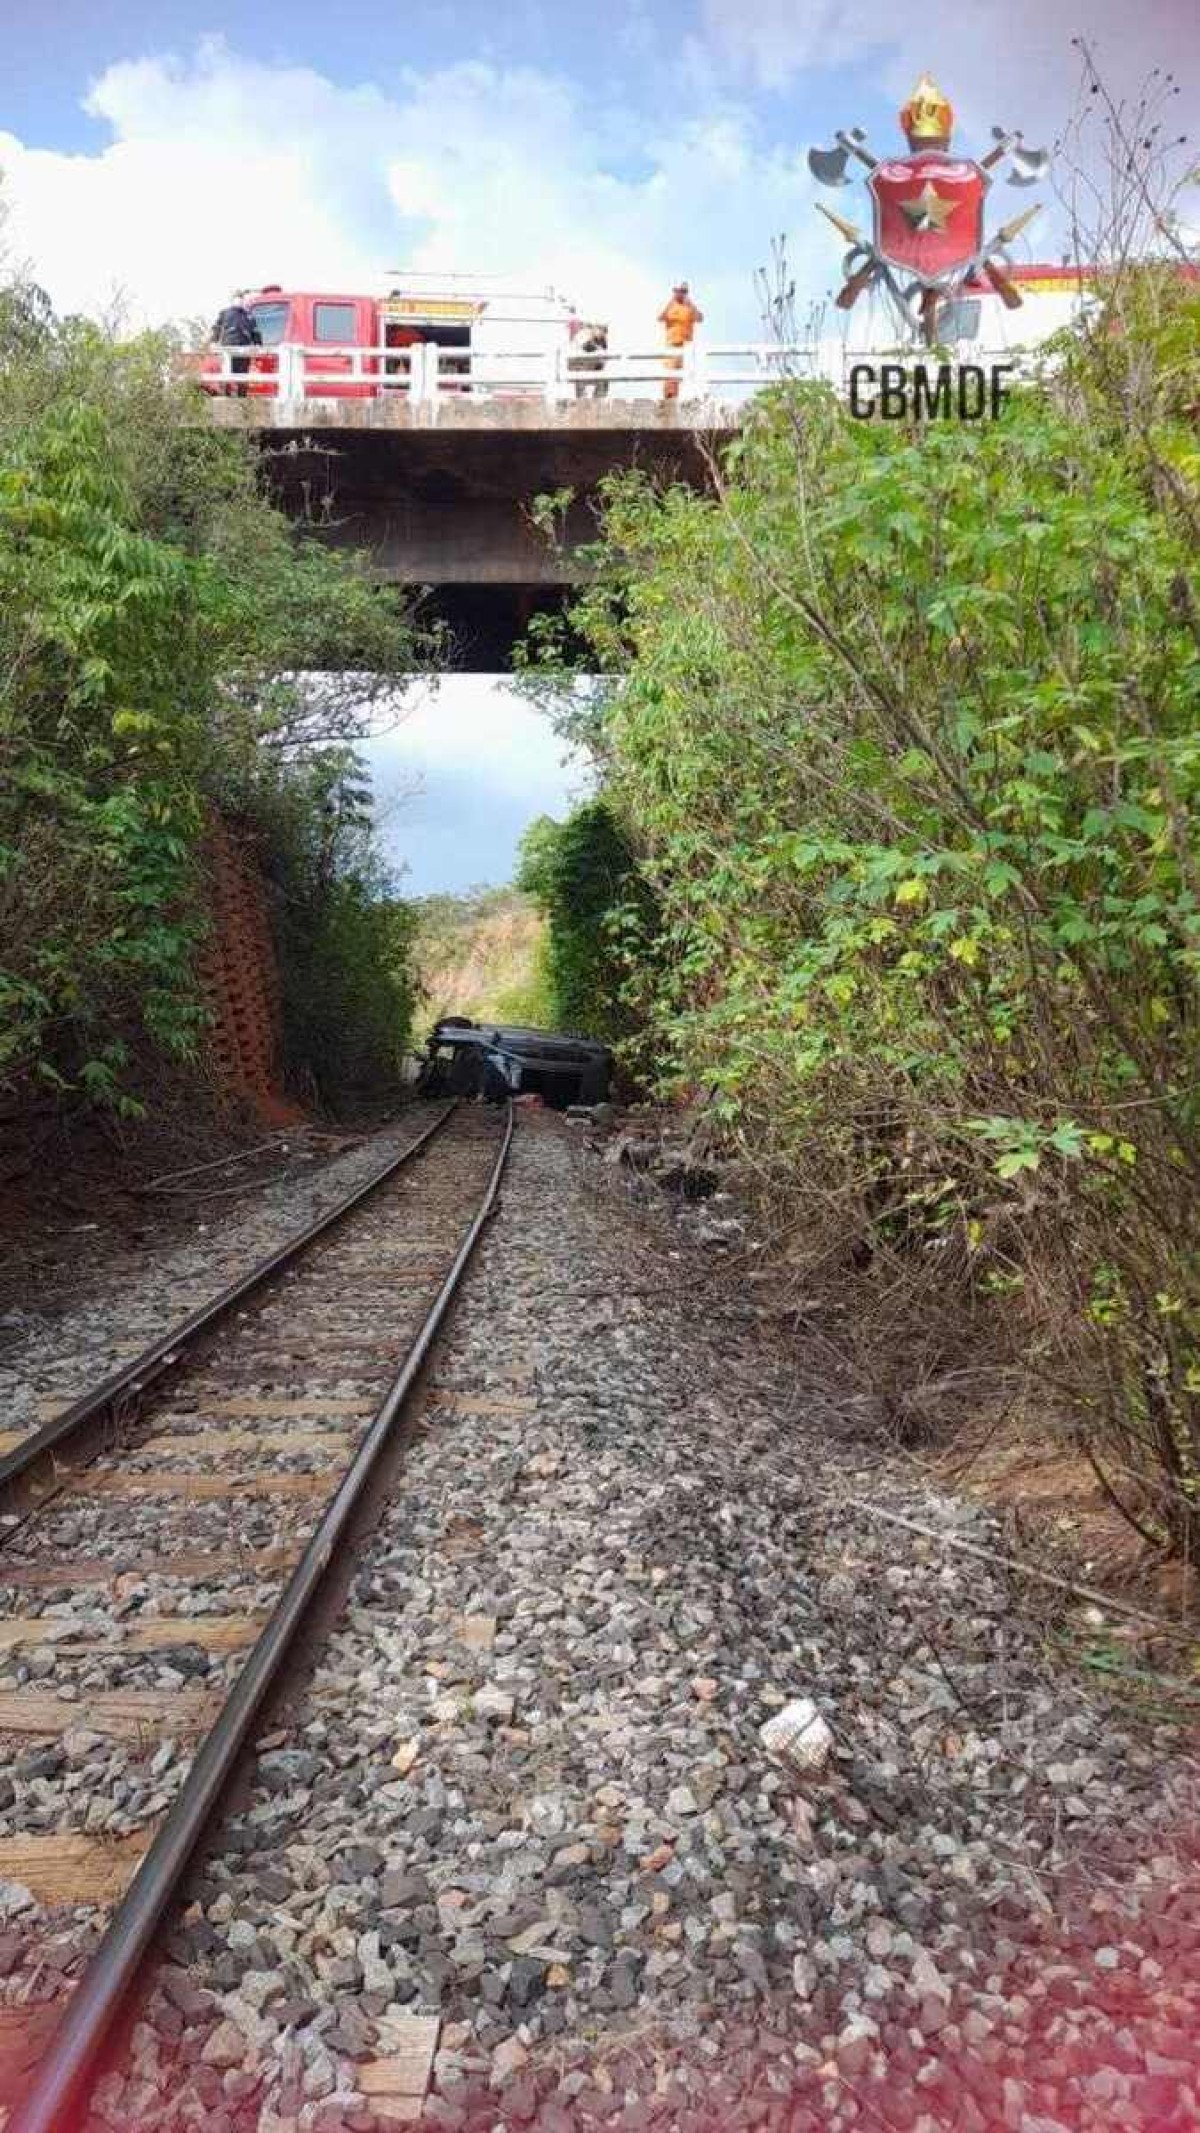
{"x": 927, "y": 123}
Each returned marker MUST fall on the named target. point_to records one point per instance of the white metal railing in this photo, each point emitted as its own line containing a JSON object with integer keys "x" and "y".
{"x": 428, "y": 374}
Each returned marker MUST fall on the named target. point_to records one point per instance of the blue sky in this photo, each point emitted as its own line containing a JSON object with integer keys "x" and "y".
{"x": 156, "y": 153}
{"x": 629, "y": 56}
{"x": 461, "y": 776}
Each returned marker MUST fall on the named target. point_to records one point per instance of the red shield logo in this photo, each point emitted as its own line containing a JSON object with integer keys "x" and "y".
{"x": 928, "y": 213}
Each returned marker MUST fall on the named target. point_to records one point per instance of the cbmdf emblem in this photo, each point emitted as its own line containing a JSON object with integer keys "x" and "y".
{"x": 929, "y": 209}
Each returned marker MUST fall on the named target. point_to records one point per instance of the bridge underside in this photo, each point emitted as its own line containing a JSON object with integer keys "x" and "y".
{"x": 448, "y": 507}
{"x": 485, "y": 622}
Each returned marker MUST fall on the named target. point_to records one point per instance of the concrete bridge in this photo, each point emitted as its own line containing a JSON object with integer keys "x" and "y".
{"x": 429, "y": 458}
{"x": 441, "y": 498}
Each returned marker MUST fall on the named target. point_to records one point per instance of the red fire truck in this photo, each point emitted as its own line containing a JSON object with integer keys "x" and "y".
{"x": 329, "y": 345}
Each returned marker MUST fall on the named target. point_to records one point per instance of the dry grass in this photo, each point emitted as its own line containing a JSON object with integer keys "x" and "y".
{"x": 480, "y": 955}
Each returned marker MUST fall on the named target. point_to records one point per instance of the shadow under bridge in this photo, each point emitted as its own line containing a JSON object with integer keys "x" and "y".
{"x": 447, "y": 506}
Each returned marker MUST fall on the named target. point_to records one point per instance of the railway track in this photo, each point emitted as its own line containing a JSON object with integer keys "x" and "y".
{"x": 165, "y": 1538}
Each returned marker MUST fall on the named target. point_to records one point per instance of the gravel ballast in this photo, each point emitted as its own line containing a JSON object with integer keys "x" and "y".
{"x": 51, "y": 1357}
{"x": 525, "y": 1793}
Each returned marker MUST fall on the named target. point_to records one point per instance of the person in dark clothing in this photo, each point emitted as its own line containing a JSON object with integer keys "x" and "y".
{"x": 593, "y": 343}
{"x": 236, "y": 328}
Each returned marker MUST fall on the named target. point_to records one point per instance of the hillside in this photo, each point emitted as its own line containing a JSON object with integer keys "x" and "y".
{"x": 480, "y": 955}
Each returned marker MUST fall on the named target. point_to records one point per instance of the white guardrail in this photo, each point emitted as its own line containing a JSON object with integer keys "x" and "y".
{"x": 428, "y": 373}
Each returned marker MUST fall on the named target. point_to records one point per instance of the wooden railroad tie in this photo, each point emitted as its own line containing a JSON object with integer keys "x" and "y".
{"x": 197, "y": 1565}
{"x": 64, "y": 1869}
{"x": 121, "y": 1714}
{"x": 205, "y": 1488}
{"x": 139, "y": 1633}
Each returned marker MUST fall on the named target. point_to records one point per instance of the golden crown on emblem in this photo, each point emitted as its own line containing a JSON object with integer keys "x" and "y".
{"x": 928, "y": 115}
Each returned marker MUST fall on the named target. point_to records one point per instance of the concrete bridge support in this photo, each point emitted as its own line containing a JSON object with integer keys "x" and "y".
{"x": 442, "y": 498}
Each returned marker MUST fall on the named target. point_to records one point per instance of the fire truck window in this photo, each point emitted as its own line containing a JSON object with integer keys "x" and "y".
{"x": 271, "y": 320}
{"x": 334, "y": 322}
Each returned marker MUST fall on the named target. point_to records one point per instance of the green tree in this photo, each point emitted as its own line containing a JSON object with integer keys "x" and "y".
{"x": 903, "y": 723}
{"x": 168, "y": 642}
{"x": 482, "y": 954}
{"x": 344, "y": 937}
{"x": 583, "y": 876}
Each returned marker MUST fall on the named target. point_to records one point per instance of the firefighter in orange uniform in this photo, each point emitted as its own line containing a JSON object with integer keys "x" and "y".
{"x": 681, "y": 318}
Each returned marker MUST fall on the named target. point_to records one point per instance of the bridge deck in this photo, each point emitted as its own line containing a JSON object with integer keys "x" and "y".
{"x": 393, "y": 412}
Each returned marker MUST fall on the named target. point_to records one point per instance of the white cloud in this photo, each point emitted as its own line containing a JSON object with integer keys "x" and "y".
{"x": 224, "y": 172}
{"x": 1007, "y": 62}
{"x": 769, "y": 44}
{"x": 479, "y": 723}
{"x": 220, "y": 172}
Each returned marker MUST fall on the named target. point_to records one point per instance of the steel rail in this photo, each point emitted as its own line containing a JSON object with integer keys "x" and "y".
{"x": 62, "y": 2078}
{"x": 135, "y": 1377}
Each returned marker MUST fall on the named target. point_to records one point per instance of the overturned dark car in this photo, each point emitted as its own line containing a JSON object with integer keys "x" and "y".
{"x": 498, "y": 1060}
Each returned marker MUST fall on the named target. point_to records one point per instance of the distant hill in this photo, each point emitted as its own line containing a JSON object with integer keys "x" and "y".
{"x": 480, "y": 955}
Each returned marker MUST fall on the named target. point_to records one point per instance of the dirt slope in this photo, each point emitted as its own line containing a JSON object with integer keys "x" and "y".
{"x": 479, "y": 955}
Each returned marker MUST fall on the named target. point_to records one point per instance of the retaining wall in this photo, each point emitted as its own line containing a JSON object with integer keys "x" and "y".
{"x": 240, "y": 977}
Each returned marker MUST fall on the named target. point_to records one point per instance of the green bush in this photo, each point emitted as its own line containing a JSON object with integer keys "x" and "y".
{"x": 903, "y": 722}
{"x": 344, "y": 939}
{"x": 167, "y": 642}
{"x": 101, "y": 745}
{"x": 347, "y": 995}
{"x": 582, "y": 875}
